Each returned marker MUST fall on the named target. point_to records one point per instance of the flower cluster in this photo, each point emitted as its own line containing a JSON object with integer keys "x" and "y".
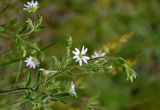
{"x": 34, "y": 63}
{"x": 81, "y": 56}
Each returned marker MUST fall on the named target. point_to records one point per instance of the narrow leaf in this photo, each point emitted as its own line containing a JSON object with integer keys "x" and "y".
{"x": 37, "y": 81}
{"x": 56, "y": 62}
{"x": 94, "y": 100}
{"x": 23, "y": 29}
{"x": 29, "y": 80}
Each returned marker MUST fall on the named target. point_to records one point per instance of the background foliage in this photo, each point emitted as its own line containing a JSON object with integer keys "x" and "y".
{"x": 98, "y": 24}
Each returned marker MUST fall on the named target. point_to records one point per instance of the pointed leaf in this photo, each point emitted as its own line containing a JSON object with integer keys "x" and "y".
{"x": 23, "y": 29}
{"x": 56, "y": 62}
{"x": 37, "y": 81}
{"x": 29, "y": 80}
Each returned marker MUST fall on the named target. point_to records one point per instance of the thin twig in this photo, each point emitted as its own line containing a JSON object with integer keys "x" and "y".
{"x": 18, "y": 59}
{"x": 13, "y": 104}
{"x": 14, "y": 91}
{"x": 13, "y": 61}
{"x": 3, "y": 8}
{"x": 4, "y": 52}
{"x": 55, "y": 75}
{"x": 19, "y": 71}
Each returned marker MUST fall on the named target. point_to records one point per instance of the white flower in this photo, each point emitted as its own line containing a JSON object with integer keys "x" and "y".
{"x": 80, "y": 56}
{"x": 72, "y": 89}
{"x": 98, "y": 54}
{"x": 31, "y": 6}
{"x": 47, "y": 71}
{"x": 32, "y": 62}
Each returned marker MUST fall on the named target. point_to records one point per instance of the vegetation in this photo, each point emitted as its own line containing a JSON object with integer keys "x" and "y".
{"x": 38, "y": 43}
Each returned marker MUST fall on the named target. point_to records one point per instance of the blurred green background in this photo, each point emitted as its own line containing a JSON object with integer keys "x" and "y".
{"x": 95, "y": 23}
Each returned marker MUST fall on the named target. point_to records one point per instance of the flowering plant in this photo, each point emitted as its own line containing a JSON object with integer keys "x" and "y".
{"x": 41, "y": 86}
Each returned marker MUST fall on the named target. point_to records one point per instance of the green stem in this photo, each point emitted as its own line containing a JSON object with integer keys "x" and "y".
{"x": 19, "y": 71}
{"x": 18, "y": 102}
{"x": 25, "y": 34}
{"x": 13, "y": 61}
{"x": 13, "y": 104}
{"x": 32, "y": 89}
{"x": 55, "y": 75}
{"x": 5, "y": 37}
{"x": 43, "y": 49}
{"x": 19, "y": 37}
{"x": 14, "y": 91}
{"x": 10, "y": 34}
{"x": 5, "y": 52}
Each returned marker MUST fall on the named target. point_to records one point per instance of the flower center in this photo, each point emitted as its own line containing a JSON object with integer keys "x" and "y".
{"x": 80, "y": 55}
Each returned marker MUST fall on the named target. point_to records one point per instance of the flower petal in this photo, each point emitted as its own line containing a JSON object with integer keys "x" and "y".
{"x": 80, "y": 62}
{"x": 84, "y": 51}
{"x": 85, "y": 59}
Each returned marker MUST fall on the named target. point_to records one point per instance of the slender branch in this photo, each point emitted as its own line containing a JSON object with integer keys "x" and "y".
{"x": 5, "y": 37}
{"x": 13, "y": 61}
{"x": 19, "y": 90}
{"x": 67, "y": 69}
{"x": 51, "y": 44}
{"x": 44, "y": 81}
{"x": 55, "y": 75}
{"x": 14, "y": 91}
{"x": 4, "y": 52}
{"x": 3, "y": 8}
{"x": 18, "y": 59}
{"x": 19, "y": 71}
{"x": 10, "y": 34}
{"x": 13, "y": 104}
{"x": 17, "y": 103}
{"x": 26, "y": 34}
